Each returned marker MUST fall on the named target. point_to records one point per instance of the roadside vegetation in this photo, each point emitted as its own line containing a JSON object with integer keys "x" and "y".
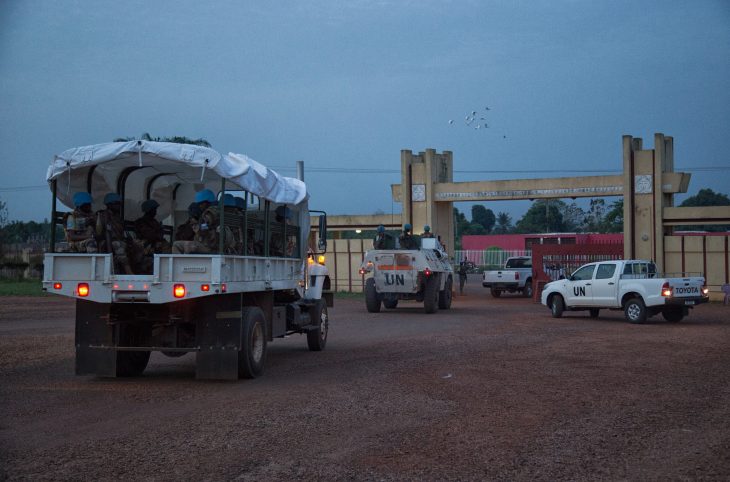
{"x": 28, "y": 287}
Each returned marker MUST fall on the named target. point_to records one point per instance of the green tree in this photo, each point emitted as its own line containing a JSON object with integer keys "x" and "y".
{"x": 544, "y": 216}
{"x": 706, "y": 197}
{"x": 504, "y": 223}
{"x": 595, "y": 217}
{"x": 176, "y": 139}
{"x": 484, "y": 217}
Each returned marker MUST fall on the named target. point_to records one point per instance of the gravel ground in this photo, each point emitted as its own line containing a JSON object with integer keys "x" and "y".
{"x": 493, "y": 389}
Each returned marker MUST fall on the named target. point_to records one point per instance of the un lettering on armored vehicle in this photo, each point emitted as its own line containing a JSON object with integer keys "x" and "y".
{"x": 234, "y": 268}
{"x": 424, "y": 275}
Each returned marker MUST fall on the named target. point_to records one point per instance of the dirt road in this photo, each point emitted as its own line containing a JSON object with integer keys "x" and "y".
{"x": 492, "y": 389}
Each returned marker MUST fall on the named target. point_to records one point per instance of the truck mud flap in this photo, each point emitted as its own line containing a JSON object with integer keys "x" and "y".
{"x": 93, "y": 329}
{"x": 218, "y": 336}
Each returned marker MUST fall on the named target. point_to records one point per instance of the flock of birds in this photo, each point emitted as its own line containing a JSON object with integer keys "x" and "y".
{"x": 476, "y": 120}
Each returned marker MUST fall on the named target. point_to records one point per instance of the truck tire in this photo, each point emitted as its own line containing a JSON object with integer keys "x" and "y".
{"x": 252, "y": 354}
{"x": 495, "y": 293}
{"x": 445, "y": 295}
{"x": 131, "y": 363}
{"x": 372, "y": 300}
{"x": 594, "y": 312}
{"x": 390, "y": 304}
{"x": 317, "y": 339}
{"x": 431, "y": 294}
{"x": 635, "y": 311}
{"x": 557, "y": 305}
{"x": 527, "y": 290}
{"x": 673, "y": 315}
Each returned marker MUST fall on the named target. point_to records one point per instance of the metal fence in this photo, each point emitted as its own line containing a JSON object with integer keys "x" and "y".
{"x": 488, "y": 259}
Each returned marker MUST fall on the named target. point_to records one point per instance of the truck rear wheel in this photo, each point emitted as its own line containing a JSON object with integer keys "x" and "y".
{"x": 495, "y": 293}
{"x": 390, "y": 304}
{"x": 445, "y": 295}
{"x": 527, "y": 290}
{"x": 317, "y": 339}
{"x": 635, "y": 310}
{"x": 131, "y": 363}
{"x": 673, "y": 315}
{"x": 557, "y": 305}
{"x": 372, "y": 300}
{"x": 252, "y": 353}
{"x": 431, "y": 294}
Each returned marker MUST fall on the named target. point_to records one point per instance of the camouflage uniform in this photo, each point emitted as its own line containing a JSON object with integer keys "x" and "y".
{"x": 110, "y": 230}
{"x": 79, "y": 228}
{"x": 149, "y": 232}
{"x": 207, "y": 234}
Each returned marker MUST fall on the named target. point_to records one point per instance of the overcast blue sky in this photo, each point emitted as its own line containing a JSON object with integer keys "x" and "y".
{"x": 347, "y": 85}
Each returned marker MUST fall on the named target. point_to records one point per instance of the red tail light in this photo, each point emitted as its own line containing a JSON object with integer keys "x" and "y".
{"x": 57, "y": 286}
{"x": 83, "y": 289}
{"x": 517, "y": 275}
{"x": 427, "y": 272}
{"x": 204, "y": 287}
{"x": 666, "y": 290}
{"x": 178, "y": 291}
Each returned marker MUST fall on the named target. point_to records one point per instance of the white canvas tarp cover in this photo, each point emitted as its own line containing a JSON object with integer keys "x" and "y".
{"x": 156, "y": 169}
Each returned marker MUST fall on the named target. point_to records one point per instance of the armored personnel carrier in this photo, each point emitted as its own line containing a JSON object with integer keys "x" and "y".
{"x": 424, "y": 275}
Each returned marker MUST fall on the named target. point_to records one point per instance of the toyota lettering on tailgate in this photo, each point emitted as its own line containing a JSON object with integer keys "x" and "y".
{"x": 687, "y": 290}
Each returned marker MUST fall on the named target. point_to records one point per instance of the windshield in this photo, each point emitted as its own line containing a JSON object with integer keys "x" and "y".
{"x": 519, "y": 263}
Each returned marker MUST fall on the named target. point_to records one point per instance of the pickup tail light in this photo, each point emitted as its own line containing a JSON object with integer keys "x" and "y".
{"x": 666, "y": 290}
{"x": 517, "y": 275}
{"x": 705, "y": 291}
{"x": 427, "y": 272}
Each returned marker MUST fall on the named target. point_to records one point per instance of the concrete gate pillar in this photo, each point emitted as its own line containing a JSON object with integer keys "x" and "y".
{"x": 419, "y": 173}
{"x": 649, "y": 186}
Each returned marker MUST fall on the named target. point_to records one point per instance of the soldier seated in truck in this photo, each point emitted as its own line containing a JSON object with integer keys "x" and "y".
{"x": 205, "y": 239}
{"x": 79, "y": 226}
{"x": 280, "y": 238}
{"x": 110, "y": 232}
{"x": 186, "y": 231}
{"x": 150, "y": 233}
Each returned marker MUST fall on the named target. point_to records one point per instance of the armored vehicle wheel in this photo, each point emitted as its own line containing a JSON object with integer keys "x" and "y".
{"x": 673, "y": 315}
{"x": 527, "y": 290}
{"x": 390, "y": 304}
{"x": 594, "y": 312}
{"x": 252, "y": 353}
{"x": 372, "y": 300}
{"x": 635, "y": 310}
{"x": 445, "y": 295}
{"x": 431, "y": 294}
{"x": 317, "y": 339}
{"x": 131, "y": 363}
{"x": 557, "y": 305}
{"x": 495, "y": 293}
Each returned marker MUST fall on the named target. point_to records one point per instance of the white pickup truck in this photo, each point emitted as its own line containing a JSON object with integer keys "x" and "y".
{"x": 515, "y": 277}
{"x": 633, "y": 286}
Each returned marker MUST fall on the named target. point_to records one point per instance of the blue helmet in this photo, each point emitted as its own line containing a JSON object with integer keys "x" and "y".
{"x": 206, "y": 195}
{"x": 112, "y": 197}
{"x": 407, "y": 227}
{"x": 81, "y": 198}
{"x": 381, "y": 229}
{"x": 149, "y": 205}
{"x": 283, "y": 212}
{"x": 229, "y": 200}
{"x": 426, "y": 228}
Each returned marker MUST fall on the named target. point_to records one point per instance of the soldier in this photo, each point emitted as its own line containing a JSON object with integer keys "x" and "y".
{"x": 379, "y": 241}
{"x": 186, "y": 231}
{"x": 110, "y": 229}
{"x": 427, "y": 232}
{"x": 79, "y": 225}
{"x": 406, "y": 239}
{"x": 276, "y": 246}
{"x": 203, "y": 200}
{"x": 462, "y": 276}
{"x": 149, "y": 232}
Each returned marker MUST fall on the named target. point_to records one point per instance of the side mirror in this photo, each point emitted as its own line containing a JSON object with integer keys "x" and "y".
{"x": 322, "y": 243}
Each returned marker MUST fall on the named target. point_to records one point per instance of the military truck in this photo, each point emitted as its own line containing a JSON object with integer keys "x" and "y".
{"x": 424, "y": 275}
{"x": 223, "y": 306}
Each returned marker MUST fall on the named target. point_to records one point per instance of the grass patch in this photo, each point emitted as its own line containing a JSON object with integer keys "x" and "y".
{"x": 344, "y": 295}
{"x": 26, "y": 287}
